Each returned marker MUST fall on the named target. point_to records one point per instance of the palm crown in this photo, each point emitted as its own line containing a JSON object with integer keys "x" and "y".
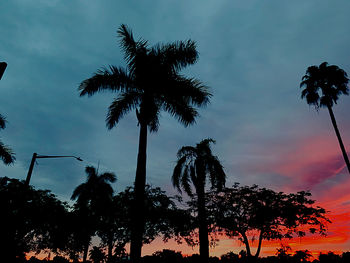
{"x": 194, "y": 165}
{"x": 96, "y": 190}
{"x": 151, "y": 82}
{"x": 324, "y": 84}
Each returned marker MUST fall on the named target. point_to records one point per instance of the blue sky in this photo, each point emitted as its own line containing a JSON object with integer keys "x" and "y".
{"x": 252, "y": 56}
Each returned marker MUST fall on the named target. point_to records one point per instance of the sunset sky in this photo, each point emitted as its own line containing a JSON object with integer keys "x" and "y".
{"x": 253, "y": 55}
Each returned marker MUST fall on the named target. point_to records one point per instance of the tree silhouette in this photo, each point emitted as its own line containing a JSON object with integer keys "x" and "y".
{"x": 93, "y": 198}
{"x": 151, "y": 83}
{"x": 114, "y": 226}
{"x": 302, "y": 255}
{"x": 97, "y": 255}
{"x": 31, "y": 220}
{"x": 272, "y": 215}
{"x": 322, "y": 87}
{"x": 6, "y": 154}
{"x": 194, "y": 165}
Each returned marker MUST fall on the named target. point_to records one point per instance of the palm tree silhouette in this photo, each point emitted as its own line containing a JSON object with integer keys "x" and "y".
{"x": 151, "y": 83}
{"x": 322, "y": 87}
{"x": 93, "y": 199}
{"x": 6, "y": 154}
{"x": 194, "y": 165}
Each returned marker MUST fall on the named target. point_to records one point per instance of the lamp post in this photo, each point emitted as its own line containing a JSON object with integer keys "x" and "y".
{"x": 3, "y": 66}
{"x": 36, "y": 156}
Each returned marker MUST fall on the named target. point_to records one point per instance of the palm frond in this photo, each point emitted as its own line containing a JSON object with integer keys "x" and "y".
{"x": 180, "y": 110}
{"x": 186, "y": 151}
{"x": 108, "y": 177}
{"x": 185, "y": 180}
{"x": 132, "y": 49}
{"x": 90, "y": 171}
{"x": 188, "y": 89}
{"x": 154, "y": 123}
{"x": 175, "y": 179}
{"x": 205, "y": 143}
{"x": 2, "y": 122}
{"x": 178, "y": 55}
{"x": 6, "y": 154}
{"x": 124, "y": 103}
{"x": 112, "y": 79}
{"x": 216, "y": 173}
{"x": 78, "y": 191}
{"x": 127, "y": 42}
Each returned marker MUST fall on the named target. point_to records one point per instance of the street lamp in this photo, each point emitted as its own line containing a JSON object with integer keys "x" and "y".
{"x": 3, "y": 66}
{"x": 36, "y": 156}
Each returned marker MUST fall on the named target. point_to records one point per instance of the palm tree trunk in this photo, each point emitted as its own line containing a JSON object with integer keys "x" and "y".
{"x": 137, "y": 213}
{"x": 110, "y": 251}
{"x": 203, "y": 226}
{"x": 339, "y": 138}
{"x": 259, "y": 245}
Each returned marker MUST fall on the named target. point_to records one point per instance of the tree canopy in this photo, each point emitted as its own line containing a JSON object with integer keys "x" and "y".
{"x": 31, "y": 220}
{"x": 272, "y": 215}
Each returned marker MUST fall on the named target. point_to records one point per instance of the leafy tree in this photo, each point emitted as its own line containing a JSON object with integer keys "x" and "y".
{"x": 193, "y": 166}
{"x": 322, "y": 87}
{"x": 167, "y": 255}
{"x": 31, "y": 220}
{"x": 94, "y": 198}
{"x": 162, "y": 217}
{"x": 6, "y": 154}
{"x": 151, "y": 83}
{"x": 60, "y": 259}
{"x": 283, "y": 253}
{"x": 229, "y": 257}
{"x": 240, "y": 210}
{"x": 96, "y": 255}
{"x": 329, "y": 257}
{"x": 302, "y": 255}
{"x": 114, "y": 226}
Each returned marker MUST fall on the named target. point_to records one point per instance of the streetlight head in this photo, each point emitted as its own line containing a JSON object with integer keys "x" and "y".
{"x": 78, "y": 158}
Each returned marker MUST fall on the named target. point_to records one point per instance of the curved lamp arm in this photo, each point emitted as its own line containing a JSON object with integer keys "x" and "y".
{"x": 36, "y": 156}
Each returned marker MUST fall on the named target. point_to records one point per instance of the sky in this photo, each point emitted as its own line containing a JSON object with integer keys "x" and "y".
{"x": 253, "y": 55}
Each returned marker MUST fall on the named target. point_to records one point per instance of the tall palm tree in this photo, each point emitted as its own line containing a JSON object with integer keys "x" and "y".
{"x": 93, "y": 200}
{"x": 6, "y": 154}
{"x": 322, "y": 87}
{"x": 150, "y": 83}
{"x": 194, "y": 165}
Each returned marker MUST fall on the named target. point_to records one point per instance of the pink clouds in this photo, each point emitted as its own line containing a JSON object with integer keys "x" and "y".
{"x": 306, "y": 163}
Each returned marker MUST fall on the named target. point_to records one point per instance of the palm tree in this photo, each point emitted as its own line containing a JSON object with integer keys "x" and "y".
{"x": 194, "y": 165}
{"x": 6, "y": 154}
{"x": 151, "y": 83}
{"x": 322, "y": 87}
{"x": 93, "y": 200}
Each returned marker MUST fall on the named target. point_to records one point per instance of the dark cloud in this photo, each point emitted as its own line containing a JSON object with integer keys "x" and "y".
{"x": 252, "y": 54}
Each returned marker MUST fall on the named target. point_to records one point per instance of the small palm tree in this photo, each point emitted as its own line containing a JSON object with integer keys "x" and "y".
{"x": 322, "y": 87}
{"x": 193, "y": 166}
{"x": 6, "y": 154}
{"x": 151, "y": 83}
{"x": 93, "y": 200}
